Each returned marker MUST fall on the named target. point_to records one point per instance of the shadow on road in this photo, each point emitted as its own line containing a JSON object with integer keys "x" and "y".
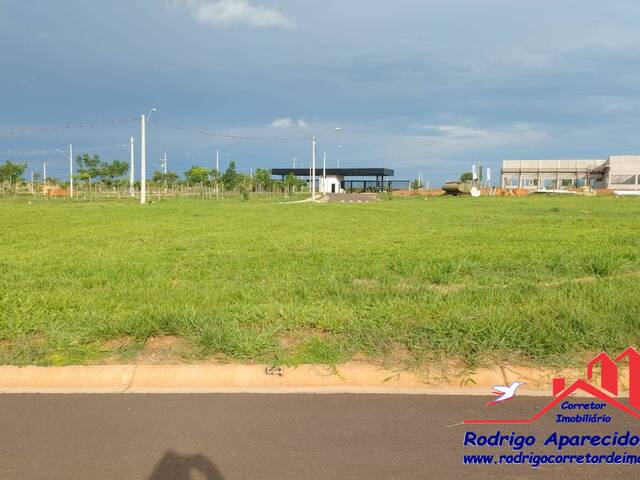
{"x": 174, "y": 466}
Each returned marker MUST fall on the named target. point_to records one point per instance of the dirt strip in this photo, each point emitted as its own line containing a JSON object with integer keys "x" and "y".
{"x": 351, "y": 377}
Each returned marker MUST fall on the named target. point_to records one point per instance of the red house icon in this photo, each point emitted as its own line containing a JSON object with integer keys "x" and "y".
{"x": 607, "y": 391}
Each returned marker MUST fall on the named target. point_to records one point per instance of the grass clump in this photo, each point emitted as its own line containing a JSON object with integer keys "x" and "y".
{"x": 603, "y": 264}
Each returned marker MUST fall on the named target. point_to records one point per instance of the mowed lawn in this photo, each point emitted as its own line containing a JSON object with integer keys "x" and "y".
{"x": 405, "y": 281}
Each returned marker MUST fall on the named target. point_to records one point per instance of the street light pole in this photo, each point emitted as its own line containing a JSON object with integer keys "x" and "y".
{"x": 131, "y": 167}
{"x": 217, "y": 172}
{"x": 70, "y": 171}
{"x": 324, "y": 172}
{"x": 315, "y": 142}
{"x": 70, "y": 158}
{"x": 143, "y": 157}
{"x": 143, "y": 161}
{"x": 313, "y": 169}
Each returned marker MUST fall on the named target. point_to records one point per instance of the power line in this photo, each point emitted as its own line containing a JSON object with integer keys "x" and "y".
{"x": 133, "y": 119}
{"x": 65, "y": 127}
{"x": 55, "y": 150}
{"x": 237, "y": 137}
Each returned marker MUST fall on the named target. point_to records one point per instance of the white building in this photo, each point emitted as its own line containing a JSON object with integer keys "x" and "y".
{"x": 618, "y": 172}
{"x": 331, "y": 184}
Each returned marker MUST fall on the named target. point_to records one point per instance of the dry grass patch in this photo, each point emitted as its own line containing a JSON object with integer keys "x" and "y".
{"x": 365, "y": 283}
{"x": 291, "y": 340}
{"x": 165, "y": 350}
{"x": 445, "y": 289}
{"x": 117, "y": 343}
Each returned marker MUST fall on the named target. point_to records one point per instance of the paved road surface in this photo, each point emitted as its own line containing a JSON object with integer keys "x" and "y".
{"x": 242, "y": 436}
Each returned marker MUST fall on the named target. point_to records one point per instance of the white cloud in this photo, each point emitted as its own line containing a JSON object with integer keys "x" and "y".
{"x": 460, "y": 136}
{"x": 621, "y": 107}
{"x": 453, "y": 131}
{"x": 288, "y": 122}
{"x": 282, "y": 123}
{"x": 234, "y": 12}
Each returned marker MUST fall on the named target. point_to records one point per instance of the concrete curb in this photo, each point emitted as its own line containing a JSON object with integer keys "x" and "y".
{"x": 348, "y": 378}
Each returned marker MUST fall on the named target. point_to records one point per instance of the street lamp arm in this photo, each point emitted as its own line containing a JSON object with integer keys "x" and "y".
{"x": 335, "y": 129}
{"x": 63, "y": 153}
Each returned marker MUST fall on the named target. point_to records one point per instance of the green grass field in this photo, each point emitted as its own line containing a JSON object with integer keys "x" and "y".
{"x": 407, "y": 281}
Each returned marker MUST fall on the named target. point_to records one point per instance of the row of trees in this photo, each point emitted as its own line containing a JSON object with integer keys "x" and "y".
{"x": 94, "y": 171}
{"x": 91, "y": 167}
{"x": 231, "y": 180}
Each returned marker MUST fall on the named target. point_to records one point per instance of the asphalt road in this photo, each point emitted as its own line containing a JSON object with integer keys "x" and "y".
{"x": 251, "y": 436}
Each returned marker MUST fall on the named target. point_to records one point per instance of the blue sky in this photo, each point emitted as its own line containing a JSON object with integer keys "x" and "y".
{"x": 414, "y": 84}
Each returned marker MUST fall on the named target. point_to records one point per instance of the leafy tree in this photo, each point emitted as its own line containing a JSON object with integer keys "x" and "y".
{"x": 110, "y": 172}
{"x": 230, "y": 177}
{"x": 466, "y": 177}
{"x": 169, "y": 179}
{"x": 276, "y": 185}
{"x": 89, "y": 167}
{"x": 416, "y": 185}
{"x": 290, "y": 181}
{"x": 11, "y": 172}
{"x": 263, "y": 178}
{"x": 245, "y": 182}
{"x": 197, "y": 175}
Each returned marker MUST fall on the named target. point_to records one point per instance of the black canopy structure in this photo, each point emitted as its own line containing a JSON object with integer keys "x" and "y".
{"x": 341, "y": 172}
{"x": 376, "y": 184}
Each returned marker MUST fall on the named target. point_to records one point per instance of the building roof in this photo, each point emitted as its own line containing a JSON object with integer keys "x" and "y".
{"x": 342, "y": 172}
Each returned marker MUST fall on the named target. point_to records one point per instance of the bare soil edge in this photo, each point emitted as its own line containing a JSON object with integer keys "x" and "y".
{"x": 347, "y": 378}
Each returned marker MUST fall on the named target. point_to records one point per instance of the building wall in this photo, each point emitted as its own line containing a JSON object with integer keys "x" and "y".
{"x": 618, "y": 172}
{"x": 624, "y": 172}
{"x": 328, "y": 181}
{"x": 553, "y": 174}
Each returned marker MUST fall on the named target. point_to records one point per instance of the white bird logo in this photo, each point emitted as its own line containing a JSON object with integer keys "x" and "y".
{"x": 506, "y": 393}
